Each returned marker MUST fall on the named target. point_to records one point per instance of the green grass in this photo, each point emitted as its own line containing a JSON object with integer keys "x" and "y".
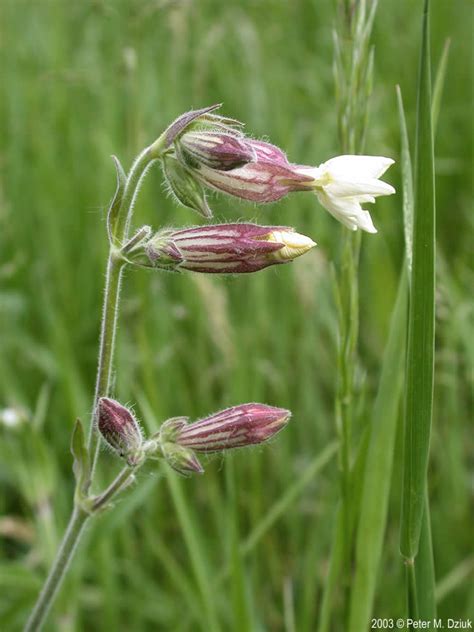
{"x": 246, "y": 546}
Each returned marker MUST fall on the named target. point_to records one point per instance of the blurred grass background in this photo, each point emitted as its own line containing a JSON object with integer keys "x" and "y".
{"x": 82, "y": 81}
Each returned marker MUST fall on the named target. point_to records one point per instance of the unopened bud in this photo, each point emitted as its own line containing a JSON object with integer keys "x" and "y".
{"x": 267, "y": 178}
{"x": 294, "y": 244}
{"x": 186, "y": 189}
{"x": 226, "y": 248}
{"x": 181, "y": 459}
{"x": 236, "y": 427}
{"x": 218, "y": 150}
{"x": 120, "y": 429}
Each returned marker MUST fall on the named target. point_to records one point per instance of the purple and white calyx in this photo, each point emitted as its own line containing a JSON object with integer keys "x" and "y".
{"x": 224, "y": 248}
{"x": 236, "y": 427}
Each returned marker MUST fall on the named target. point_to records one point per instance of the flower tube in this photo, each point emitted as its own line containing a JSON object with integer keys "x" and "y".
{"x": 236, "y": 427}
{"x": 225, "y": 248}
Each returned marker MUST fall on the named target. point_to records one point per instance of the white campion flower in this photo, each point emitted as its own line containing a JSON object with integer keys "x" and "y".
{"x": 343, "y": 183}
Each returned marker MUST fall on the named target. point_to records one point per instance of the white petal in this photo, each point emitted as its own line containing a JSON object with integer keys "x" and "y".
{"x": 313, "y": 172}
{"x": 364, "y": 222}
{"x": 347, "y": 211}
{"x": 357, "y": 167}
{"x": 362, "y": 199}
{"x": 358, "y": 189}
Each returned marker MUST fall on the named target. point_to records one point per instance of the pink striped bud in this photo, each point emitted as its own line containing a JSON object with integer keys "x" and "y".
{"x": 120, "y": 429}
{"x": 215, "y": 149}
{"x": 226, "y": 248}
{"x": 266, "y": 152}
{"x": 236, "y": 427}
{"x": 267, "y": 179}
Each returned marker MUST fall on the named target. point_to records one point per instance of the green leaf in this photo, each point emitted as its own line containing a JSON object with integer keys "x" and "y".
{"x": 439, "y": 84}
{"x": 420, "y": 352}
{"x": 116, "y": 200}
{"x": 425, "y": 575}
{"x": 378, "y": 468}
{"x": 81, "y": 464}
{"x": 288, "y": 498}
{"x": 340, "y": 537}
{"x": 407, "y": 183}
{"x": 193, "y": 538}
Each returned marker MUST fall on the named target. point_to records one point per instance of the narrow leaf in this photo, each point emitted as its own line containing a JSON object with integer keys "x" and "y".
{"x": 439, "y": 84}
{"x": 378, "y": 469}
{"x": 340, "y": 537}
{"x": 116, "y": 200}
{"x": 282, "y": 504}
{"x": 420, "y": 353}
{"x": 193, "y": 540}
{"x": 407, "y": 183}
{"x": 81, "y": 463}
{"x": 425, "y": 573}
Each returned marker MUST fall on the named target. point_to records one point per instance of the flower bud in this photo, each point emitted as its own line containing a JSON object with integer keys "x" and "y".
{"x": 236, "y": 427}
{"x": 120, "y": 429}
{"x": 181, "y": 459}
{"x": 266, "y": 179}
{"x": 266, "y": 152}
{"x": 218, "y": 150}
{"x": 186, "y": 189}
{"x": 226, "y": 248}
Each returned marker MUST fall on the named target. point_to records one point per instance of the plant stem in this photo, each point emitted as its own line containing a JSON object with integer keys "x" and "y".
{"x": 112, "y": 297}
{"x": 113, "y": 283}
{"x": 353, "y": 69}
{"x": 412, "y": 600}
{"x": 132, "y": 186}
{"x": 58, "y": 570}
{"x": 115, "y": 486}
{"x": 104, "y": 372}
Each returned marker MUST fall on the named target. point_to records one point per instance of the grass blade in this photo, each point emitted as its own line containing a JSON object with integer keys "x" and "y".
{"x": 378, "y": 469}
{"x": 439, "y": 84}
{"x": 455, "y": 578}
{"x": 340, "y": 536}
{"x": 425, "y": 575}
{"x": 196, "y": 553}
{"x": 407, "y": 183}
{"x": 288, "y": 497}
{"x": 335, "y": 563}
{"x": 420, "y": 353}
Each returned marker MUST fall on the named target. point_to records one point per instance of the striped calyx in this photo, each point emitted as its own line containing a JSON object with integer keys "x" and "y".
{"x": 226, "y": 248}
{"x": 215, "y": 149}
{"x": 235, "y": 427}
{"x": 120, "y": 429}
{"x": 267, "y": 178}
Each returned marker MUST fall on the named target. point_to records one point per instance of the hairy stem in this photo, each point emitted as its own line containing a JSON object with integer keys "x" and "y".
{"x": 137, "y": 172}
{"x": 115, "y": 486}
{"x": 58, "y": 570}
{"x": 113, "y": 282}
